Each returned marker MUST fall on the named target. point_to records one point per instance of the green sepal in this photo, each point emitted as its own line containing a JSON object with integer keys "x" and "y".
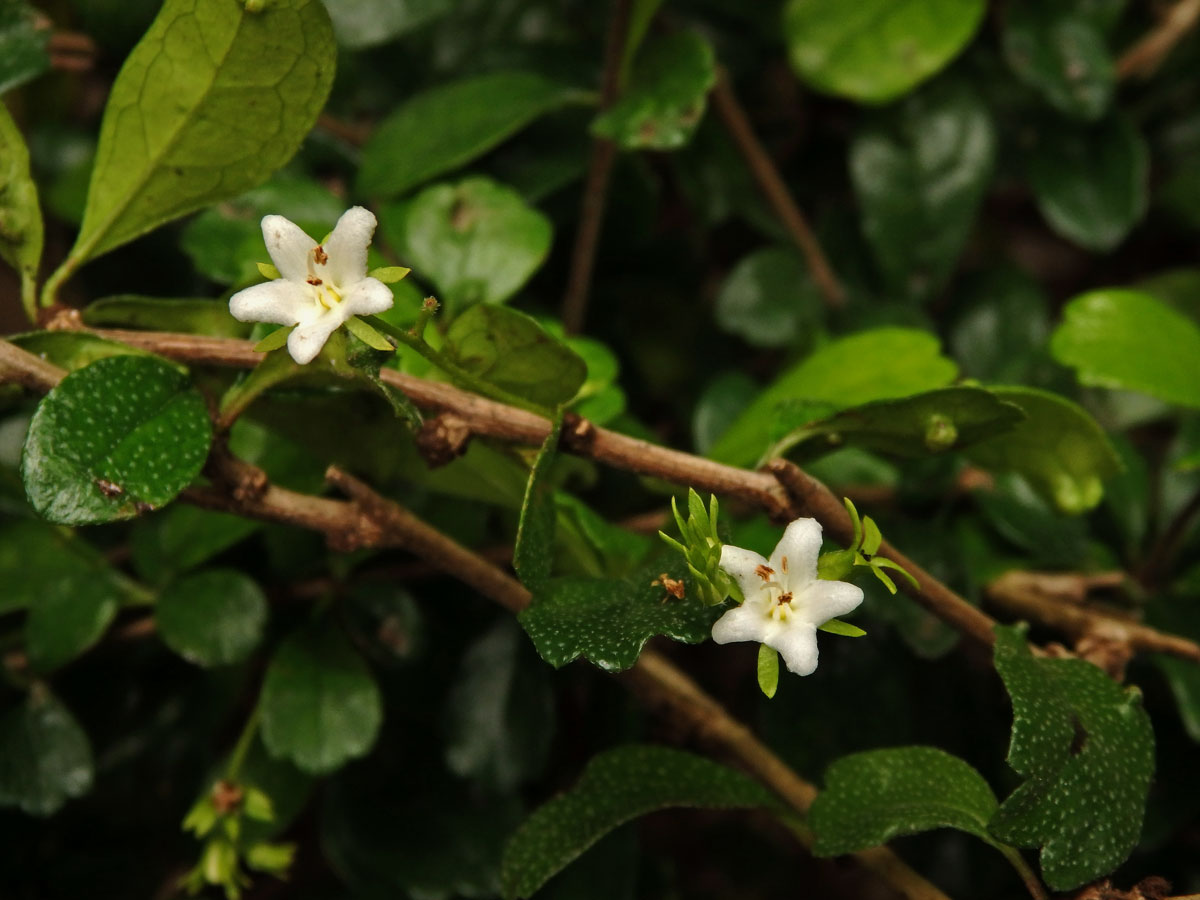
{"x": 845, "y": 629}
{"x": 389, "y": 274}
{"x": 268, "y": 271}
{"x": 871, "y": 537}
{"x": 274, "y": 340}
{"x": 768, "y": 670}
{"x": 368, "y": 335}
{"x": 836, "y": 565}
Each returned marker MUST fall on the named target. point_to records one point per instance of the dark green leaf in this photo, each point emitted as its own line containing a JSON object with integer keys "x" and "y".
{"x": 512, "y": 351}
{"x": 1179, "y": 615}
{"x": 120, "y": 435}
{"x": 22, "y": 48}
{"x": 608, "y": 620}
{"x": 1128, "y": 340}
{"x": 616, "y": 787}
{"x": 1001, "y": 325}
{"x": 73, "y": 350}
{"x": 533, "y": 554}
{"x": 450, "y": 125}
{"x": 720, "y": 403}
{"x": 212, "y": 618}
{"x": 876, "y": 50}
{"x": 599, "y": 398}
{"x": 872, "y": 797}
{"x": 366, "y": 23}
{"x": 1086, "y": 749}
{"x": 920, "y": 170}
{"x": 477, "y": 240}
{"x": 198, "y": 316}
{"x": 665, "y": 98}
{"x": 1091, "y": 183}
{"x": 71, "y": 614}
{"x": 212, "y": 100}
{"x": 45, "y": 758}
{"x": 1059, "y": 449}
{"x": 1060, "y": 52}
{"x": 320, "y": 706}
{"x": 21, "y": 232}
{"x": 770, "y": 300}
{"x": 182, "y": 537}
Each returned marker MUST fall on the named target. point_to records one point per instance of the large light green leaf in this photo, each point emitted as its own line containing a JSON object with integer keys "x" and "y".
{"x": 366, "y": 23}
{"x": 320, "y": 706}
{"x": 22, "y": 46}
{"x": 212, "y": 618}
{"x": 45, "y": 757}
{"x": 770, "y": 300}
{"x": 1062, "y": 53}
{"x": 920, "y": 170}
{"x": 1091, "y": 184}
{"x": 445, "y": 127}
{"x": 665, "y": 98}
{"x": 1059, "y": 449}
{"x": 1086, "y": 749}
{"x": 871, "y": 365}
{"x": 1128, "y": 340}
{"x": 618, "y": 786}
{"x": 872, "y": 797}
{"x": 211, "y": 101}
{"x": 21, "y": 232}
{"x": 478, "y": 241}
{"x": 114, "y": 439}
{"x": 874, "y": 51}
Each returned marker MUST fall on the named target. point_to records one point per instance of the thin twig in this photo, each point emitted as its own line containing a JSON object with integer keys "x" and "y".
{"x": 595, "y": 188}
{"x": 1144, "y": 57}
{"x": 776, "y": 192}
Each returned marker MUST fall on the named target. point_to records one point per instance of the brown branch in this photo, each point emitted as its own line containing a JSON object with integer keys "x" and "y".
{"x": 775, "y": 191}
{"x": 1144, "y": 57}
{"x": 31, "y": 372}
{"x": 595, "y": 188}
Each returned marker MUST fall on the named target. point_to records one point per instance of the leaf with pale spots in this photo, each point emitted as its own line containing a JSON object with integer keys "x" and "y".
{"x": 116, "y": 438}
{"x": 872, "y": 797}
{"x": 608, "y": 620}
{"x": 1085, "y": 746}
{"x": 616, "y": 787}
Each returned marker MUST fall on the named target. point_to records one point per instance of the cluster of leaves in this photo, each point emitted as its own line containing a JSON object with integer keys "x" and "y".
{"x": 1011, "y": 375}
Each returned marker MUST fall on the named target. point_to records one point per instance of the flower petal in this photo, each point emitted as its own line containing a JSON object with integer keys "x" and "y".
{"x": 280, "y": 301}
{"x": 288, "y": 245}
{"x": 800, "y": 546}
{"x": 742, "y": 566}
{"x": 306, "y": 341}
{"x": 823, "y": 600}
{"x": 742, "y": 623}
{"x": 368, "y": 297}
{"x": 797, "y": 644}
{"x": 347, "y": 246}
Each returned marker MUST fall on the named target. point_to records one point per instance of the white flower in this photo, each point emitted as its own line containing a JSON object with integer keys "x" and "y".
{"x": 785, "y": 602}
{"x": 322, "y": 285}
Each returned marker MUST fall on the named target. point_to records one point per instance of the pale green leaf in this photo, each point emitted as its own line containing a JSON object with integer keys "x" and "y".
{"x": 768, "y": 670}
{"x": 193, "y": 316}
{"x": 21, "y": 232}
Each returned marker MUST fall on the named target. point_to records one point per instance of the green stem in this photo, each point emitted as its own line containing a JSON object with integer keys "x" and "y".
{"x": 1032, "y": 884}
{"x": 55, "y": 281}
{"x": 245, "y": 740}
{"x": 29, "y": 296}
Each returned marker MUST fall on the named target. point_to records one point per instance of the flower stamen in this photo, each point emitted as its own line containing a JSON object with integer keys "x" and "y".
{"x": 765, "y": 572}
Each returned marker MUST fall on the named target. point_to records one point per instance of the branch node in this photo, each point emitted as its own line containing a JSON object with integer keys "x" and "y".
{"x": 577, "y": 432}
{"x": 443, "y": 439}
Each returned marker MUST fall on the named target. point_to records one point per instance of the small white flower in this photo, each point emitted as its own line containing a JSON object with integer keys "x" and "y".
{"x": 785, "y": 602}
{"x": 322, "y": 285}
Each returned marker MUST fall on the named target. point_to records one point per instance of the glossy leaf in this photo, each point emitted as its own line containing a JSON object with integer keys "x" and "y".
{"x": 608, "y": 620}
{"x": 23, "y": 53}
{"x": 21, "y": 232}
{"x": 450, "y": 125}
{"x": 1091, "y": 184}
{"x": 212, "y": 618}
{"x": 872, "y": 797}
{"x": 193, "y": 316}
{"x": 1059, "y": 449}
{"x": 512, "y": 351}
{"x": 213, "y": 99}
{"x": 46, "y": 757}
{"x": 122, "y": 435}
{"x": 533, "y": 553}
{"x": 666, "y": 96}
{"x": 367, "y": 23}
{"x": 320, "y": 705}
{"x": 920, "y": 170}
{"x": 618, "y": 786}
{"x": 1085, "y": 747}
{"x": 477, "y": 240}
{"x": 1128, "y": 340}
{"x": 770, "y": 300}
{"x": 1062, "y": 53}
{"x": 876, "y": 50}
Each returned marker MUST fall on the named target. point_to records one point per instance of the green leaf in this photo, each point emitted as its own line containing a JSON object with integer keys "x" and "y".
{"x": 618, "y": 786}
{"x": 70, "y": 616}
{"x": 1091, "y": 184}
{"x": 500, "y": 711}
{"x": 844, "y": 629}
{"x": 1059, "y": 449}
{"x": 599, "y": 398}
{"x": 192, "y": 316}
{"x": 21, "y": 231}
{"x": 666, "y": 95}
{"x": 920, "y": 170}
{"x": 23, "y": 53}
{"x": 768, "y": 670}
{"x": 368, "y": 335}
{"x": 533, "y": 554}
{"x": 368, "y": 23}
{"x": 182, "y": 537}
{"x": 72, "y": 350}
{"x": 450, "y": 125}
{"x": 1128, "y": 340}
{"x": 1061, "y": 53}
{"x": 320, "y": 706}
{"x": 1086, "y": 749}
{"x": 512, "y": 351}
{"x": 932, "y": 422}
{"x": 872, "y": 365}
{"x": 872, "y": 797}
{"x": 45, "y": 757}
{"x": 1000, "y": 326}
{"x": 1179, "y": 615}
{"x": 608, "y": 620}
{"x": 275, "y": 340}
{"x": 770, "y": 300}
{"x": 477, "y": 240}
{"x": 722, "y": 399}
{"x": 210, "y": 102}
{"x": 121, "y": 435}
{"x": 874, "y": 51}
{"x": 212, "y": 618}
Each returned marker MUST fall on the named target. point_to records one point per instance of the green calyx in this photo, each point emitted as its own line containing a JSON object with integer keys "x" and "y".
{"x": 701, "y": 547}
